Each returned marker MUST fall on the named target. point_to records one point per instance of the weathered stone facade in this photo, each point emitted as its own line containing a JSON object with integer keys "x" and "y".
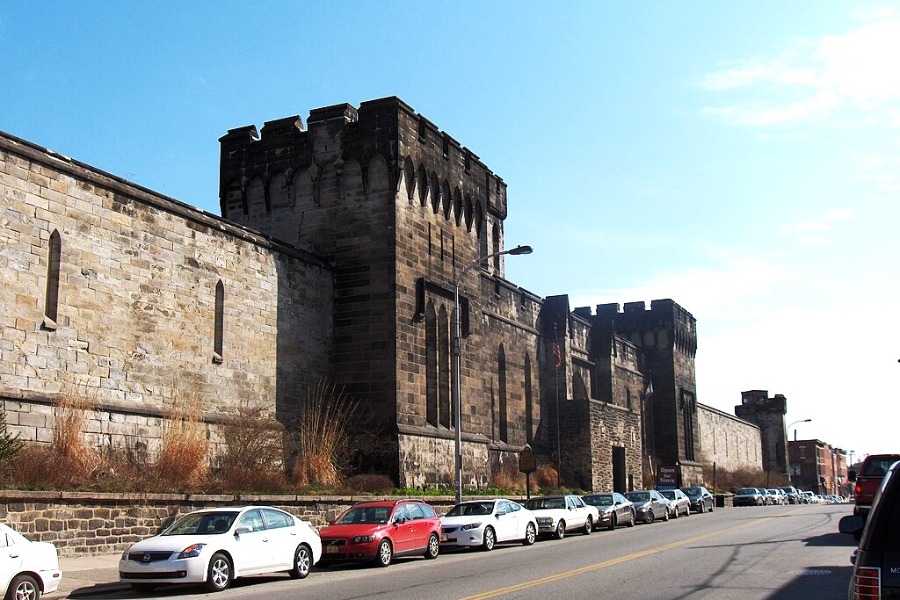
{"x": 400, "y": 210}
{"x": 728, "y": 442}
{"x": 767, "y": 414}
{"x": 133, "y": 300}
{"x": 339, "y": 255}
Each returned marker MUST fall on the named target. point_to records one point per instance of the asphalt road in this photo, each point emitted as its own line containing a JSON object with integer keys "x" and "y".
{"x": 772, "y": 553}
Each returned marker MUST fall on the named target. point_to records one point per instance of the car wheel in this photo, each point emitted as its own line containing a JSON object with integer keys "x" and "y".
{"x": 675, "y": 513}
{"x": 218, "y": 573}
{"x": 649, "y": 517}
{"x": 143, "y": 588}
{"x": 302, "y": 562}
{"x": 23, "y": 587}
{"x": 385, "y": 554}
{"x": 687, "y": 511}
{"x": 712, "y": 507}
{"x": 434, "y": 547}
{"x": 665, "y": 515}
{"x": 632, "y": 520}
{"x": 588, "y": 526}
{"x": 702, "y": 508}
{"x": 489, "y": 539}
{"x": 612, "y": 521}
{"x": 560, "y": 530}
{"x": 530, "y": 534}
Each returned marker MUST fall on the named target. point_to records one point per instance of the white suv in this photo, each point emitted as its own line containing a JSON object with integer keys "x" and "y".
{"x": 557, "y": 515}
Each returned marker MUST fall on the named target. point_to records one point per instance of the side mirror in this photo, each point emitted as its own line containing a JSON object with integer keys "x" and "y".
{"x": 399, "y": 520}
{"x": 851, "y": 475}
{"x": 242, "y": 530}
{"x": 851, "y": 524}
{"x": 500, "y": 513}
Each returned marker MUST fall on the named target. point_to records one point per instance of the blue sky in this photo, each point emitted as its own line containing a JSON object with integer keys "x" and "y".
{"x": 741, "y": 159}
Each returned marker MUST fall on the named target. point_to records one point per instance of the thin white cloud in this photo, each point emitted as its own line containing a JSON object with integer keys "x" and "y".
{"x": 814, "y": 232}
{"x": 815, "y": 80}
{"x": 720, "y": 292}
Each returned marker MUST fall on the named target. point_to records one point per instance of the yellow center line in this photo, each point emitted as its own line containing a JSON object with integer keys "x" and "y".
{"x": 609, "y": 563}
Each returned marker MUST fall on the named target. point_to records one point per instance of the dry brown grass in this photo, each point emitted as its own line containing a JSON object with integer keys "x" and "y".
{"x": 322, "y": 436}
{"x": 368, "y": 482}
{"x": 73, "y": 459}
{"x": 734, "y": 480}
{"x": 508, "y": 477}
{"x": 183, "y": 455}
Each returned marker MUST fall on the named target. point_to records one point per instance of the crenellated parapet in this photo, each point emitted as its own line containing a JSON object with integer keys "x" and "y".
{"x": 665, "y": 323}
{"x": 347, "y": 154}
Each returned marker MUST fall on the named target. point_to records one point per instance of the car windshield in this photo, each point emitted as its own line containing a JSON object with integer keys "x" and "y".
{"x": 691, "y": 492}
{"x": 747, "y": 492}
{"x": 604, "y": 500}
{"x": 366, "y": 515}
{"x": 638, "y": 496}
{"x": 202, "y": 523}
{"x": 467, "y": 509}
{"x": 545, "y": 503}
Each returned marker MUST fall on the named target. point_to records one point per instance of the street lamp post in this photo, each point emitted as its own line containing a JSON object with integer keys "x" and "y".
{"x": 457, "y": 334}
{"x": 794, "y": 423}
{"x": 790, "y": 474}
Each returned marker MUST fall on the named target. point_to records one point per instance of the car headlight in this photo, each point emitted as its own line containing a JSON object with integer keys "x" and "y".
{"x": 363, "y": 539}
{"x": 191, "y": 551}
{"x": 470, "y": 526}
{"x": 125, "y": 553}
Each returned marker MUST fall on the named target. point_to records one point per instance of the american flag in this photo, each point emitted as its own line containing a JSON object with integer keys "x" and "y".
{"x": 556, "y": 354}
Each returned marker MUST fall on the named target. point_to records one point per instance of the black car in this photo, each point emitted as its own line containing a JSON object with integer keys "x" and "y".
{"x": 875, "y": 571}
{"x": 701, "y": 498}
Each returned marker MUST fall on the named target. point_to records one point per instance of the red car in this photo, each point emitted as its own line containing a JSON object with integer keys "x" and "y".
{"x": 868, "y": 480}
{"x": 380, "y": 530}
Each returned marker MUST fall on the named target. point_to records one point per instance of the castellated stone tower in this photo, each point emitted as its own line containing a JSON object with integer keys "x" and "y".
{"x": 399, "y": 209}
{"x": 667, "y": 336}
{"x": 767, "y": 414}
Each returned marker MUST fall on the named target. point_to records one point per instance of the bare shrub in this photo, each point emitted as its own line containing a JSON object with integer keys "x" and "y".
{"x": 546, "y": 477}
{"x": 183, "y": 455}
{"x": 368, "y": 482}
{"x": 124, "y": 469}
{"x": 238, "y": 479}
{"x": 254, "y": 454}
{"x": 322, "y": 435}
{"x": 736, "y": 479}
{"x": 253, "y": 441}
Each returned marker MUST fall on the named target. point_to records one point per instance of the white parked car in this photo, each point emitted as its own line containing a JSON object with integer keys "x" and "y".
{"x": 216, "y": 546}
{"x": 27, "y": 569}
{"x": 487, "y": 522}
{"x": 558, "y": 515}
{"x": 679, "y": 503}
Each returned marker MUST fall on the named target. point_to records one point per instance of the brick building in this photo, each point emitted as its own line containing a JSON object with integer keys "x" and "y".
{"x": 338, "y": 255}
{"x": 818, "y": 466}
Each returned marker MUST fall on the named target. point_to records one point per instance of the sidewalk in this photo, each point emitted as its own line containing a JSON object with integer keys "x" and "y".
{"x": 88, "y": 575}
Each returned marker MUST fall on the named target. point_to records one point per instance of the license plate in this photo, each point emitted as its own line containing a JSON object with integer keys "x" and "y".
{"x": 331, "y": 549}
